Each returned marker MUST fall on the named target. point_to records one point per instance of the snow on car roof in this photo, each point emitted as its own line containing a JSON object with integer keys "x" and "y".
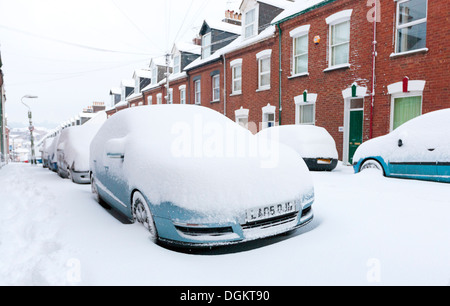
{"x": 198, "y": 159}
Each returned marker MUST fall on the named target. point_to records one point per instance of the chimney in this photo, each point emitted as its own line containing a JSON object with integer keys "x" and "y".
{"x": 233, "y": 17}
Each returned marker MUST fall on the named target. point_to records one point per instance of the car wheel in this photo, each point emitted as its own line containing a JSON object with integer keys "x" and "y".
{"x": 142, "y": 214}
{"x": 95, "y": 190}
{"x": 372, "y": 164}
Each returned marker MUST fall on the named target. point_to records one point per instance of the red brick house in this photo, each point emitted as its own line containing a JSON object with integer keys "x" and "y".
{"x": 331, "y": 63}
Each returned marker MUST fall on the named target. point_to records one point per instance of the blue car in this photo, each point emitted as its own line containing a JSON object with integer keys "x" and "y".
{"x": 419, "y": 149}
{"x": 194, "y": 178}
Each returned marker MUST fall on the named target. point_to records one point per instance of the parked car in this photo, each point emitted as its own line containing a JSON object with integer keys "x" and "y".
{"x": 190, "y": 175}
{"x": 314, "y": 144}
{"x": 418, "y": 149}
{"x": 50, "y": 153}
{"x": 73, "y": 149}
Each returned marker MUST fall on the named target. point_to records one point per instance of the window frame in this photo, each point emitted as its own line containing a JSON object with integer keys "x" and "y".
{"x": 295, "y": 34}
{"x": 215, "y": 88}
{"x": 182, "y": 89}
{"x": 235, "y": 65}
{"x": 198, "y": 92}
{"x": 253, "y": 25}
{"x": 406, "y": 25}
{"x": 159, "y": 99}
{"x": 394, "y": 97}
{"x": 177, "y": 63}
{"x": 262, "y": 56}
{"x": 332, "y": 21}
{"x": 205, "y": 46}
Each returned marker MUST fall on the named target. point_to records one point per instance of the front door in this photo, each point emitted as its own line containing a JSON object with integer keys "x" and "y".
{"x": 356, "y": 123}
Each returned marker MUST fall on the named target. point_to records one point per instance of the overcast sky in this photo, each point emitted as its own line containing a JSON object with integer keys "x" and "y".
{"x": 71, "y": 53}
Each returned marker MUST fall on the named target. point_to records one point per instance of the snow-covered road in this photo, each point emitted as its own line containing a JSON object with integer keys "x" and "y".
{"x": 368, "y": 230}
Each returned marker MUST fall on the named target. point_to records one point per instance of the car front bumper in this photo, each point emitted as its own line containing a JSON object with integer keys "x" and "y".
{"x": 190, "y": 236}
{"x": 321, "y": 164}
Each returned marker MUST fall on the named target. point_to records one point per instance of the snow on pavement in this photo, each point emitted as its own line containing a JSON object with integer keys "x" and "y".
{"x": 368, "y": 230}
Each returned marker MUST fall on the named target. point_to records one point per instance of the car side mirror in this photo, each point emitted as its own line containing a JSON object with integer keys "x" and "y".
{"x": 115, "y": 148}
{"x": 400, "y": 143}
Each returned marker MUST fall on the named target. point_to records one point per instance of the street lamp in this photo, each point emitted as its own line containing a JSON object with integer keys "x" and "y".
{"x": 31, "y": 128}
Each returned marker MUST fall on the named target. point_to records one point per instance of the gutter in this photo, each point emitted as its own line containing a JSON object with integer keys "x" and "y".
{"x": 311, "y": 8}
{"x": 279, "y": 75}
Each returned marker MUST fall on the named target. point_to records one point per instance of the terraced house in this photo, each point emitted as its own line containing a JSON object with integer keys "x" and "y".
{"x": 358, "y": 68}
{"x": 4, "y": 146}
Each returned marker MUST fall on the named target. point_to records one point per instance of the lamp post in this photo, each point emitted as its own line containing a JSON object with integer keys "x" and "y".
{"x": 31, "y": 128}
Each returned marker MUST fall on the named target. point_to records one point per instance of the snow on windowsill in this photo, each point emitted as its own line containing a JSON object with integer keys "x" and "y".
{"x": 237, "y": 93}
{"x": 342, "y": 66}
{"x": 422, "y": 50}
{"x": 298, "y": 75}
{"x": 263, "y": 89}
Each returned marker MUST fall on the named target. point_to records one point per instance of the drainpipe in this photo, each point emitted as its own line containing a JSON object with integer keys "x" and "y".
{"x": 279, "y": 75}
{"x": 224, "y": 86}
{"x": 374, "y": 55}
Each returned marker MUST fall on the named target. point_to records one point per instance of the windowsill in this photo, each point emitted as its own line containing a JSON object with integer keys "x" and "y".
{"x": 215, "y": 101}
{"x": 237, "y": 93}
{"x": 341, "y": 66}
{"x": 263, "y": 89}
{"x": 423, "y": 50}
{"x": 298, "y": 75}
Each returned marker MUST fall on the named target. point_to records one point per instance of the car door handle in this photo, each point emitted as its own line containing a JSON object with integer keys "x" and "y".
{"x": 431, "y": 150}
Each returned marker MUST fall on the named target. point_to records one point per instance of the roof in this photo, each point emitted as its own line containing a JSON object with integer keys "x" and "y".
{"x": 187, "y": 48}
{"x": 142, "y": 73}
{"x": 223, "y": 26}
{"x": 277, "y": 3}
{"x": 115, "y": 91}
{"x": 299, "y": 7}
{"x": 128, "y": 83}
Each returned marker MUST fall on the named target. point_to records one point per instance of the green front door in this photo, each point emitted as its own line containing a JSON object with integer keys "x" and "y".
{"x": 355, "y": 133}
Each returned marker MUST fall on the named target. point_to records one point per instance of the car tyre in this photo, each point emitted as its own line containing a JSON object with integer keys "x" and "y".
{"x": 142, "y": 214}
{"x": 95, "y": 190}
{"x": 372, "y": 164}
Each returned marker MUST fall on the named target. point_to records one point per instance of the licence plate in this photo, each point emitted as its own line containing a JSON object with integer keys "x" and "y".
{"x": 268, "y": 212}
{"x": 324, "y": 161}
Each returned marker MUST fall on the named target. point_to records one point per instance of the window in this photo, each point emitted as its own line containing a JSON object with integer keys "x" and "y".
{"x": 339, "y": 38}
{"x": 264, "y": 73}
{"x": 340, "y": 43}
{"x": 300, "y": 54}
{"x": 411, "y": 25}
{"x": 206, "y": 45}
{"x": 150, "y": 100}
{"x": 177, "y": 64}
{"x": 216, "y": 88}
{"x": 300, "y": 50}
{"x": 268, "y": 119}
{"x": 405, "y": 109}
{"x": 182, "y": 94}
{"x": 159, "y": 98}
{"x": 154, "y": 75}
{"x": 198, "y": 92}
{"x": 305, "y": 109}
{"x": 170, "y": 96}
{"x": 250, "y": 23}
{"x": 236, "y": 76}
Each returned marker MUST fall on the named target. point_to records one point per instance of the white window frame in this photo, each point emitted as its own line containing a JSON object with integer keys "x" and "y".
{"x": 198, "y": 92}
{"x": 406, "y": 25}
{"x": 215, "y": 82}
{"x": 332, "y": 21}
{"x": 154, "y": 75}
{"x": 300, "y": 103}
{"x": 295, "y": 34}
{"x": 170, "y": 96}
{"x": 182, "y": 89}
{"x": 262, "y": 56}
{"x": 242, "y": 115}
{"x": 206, "y": 47}
{"x": 254, "y": 24}
{"x": 266, "y": 112}
{"x": 415, "y": 87}
{"x": 235, "y": 64}
{"x": 150, "y": 100}
{"x": 159, "y": 99}
{"x": 177, "y": 63}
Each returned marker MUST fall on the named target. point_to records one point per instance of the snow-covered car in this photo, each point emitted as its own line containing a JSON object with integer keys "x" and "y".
{"x": 49, "y": 153}
{"x": 73, "y": 149}
{"x": 195, "y": 178}
{"x": 314, "y": 144}
{"x": 418, "y": 149}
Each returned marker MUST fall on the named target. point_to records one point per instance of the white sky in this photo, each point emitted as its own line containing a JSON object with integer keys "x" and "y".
{"x": 71, "y": 53}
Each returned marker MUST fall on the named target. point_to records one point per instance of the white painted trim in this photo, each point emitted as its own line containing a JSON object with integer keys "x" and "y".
{"x": 339, "y": 17}
{"x": 236, "y": 62}
{"x": 403, "y": 95}
{"x": 182, "y": 87}
{"x": 241, "y": 113}
{"x": 397, "y": 88}
{"x": 361, "y": 92}
{"x": 269, "y": 109}
{"x": 312, "y": 99}
{"x": 300, "y": 31}
{"x": 264, "y": 53}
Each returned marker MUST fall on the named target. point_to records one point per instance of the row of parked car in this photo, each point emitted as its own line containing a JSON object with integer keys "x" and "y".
{"x": 195, "y": 178}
